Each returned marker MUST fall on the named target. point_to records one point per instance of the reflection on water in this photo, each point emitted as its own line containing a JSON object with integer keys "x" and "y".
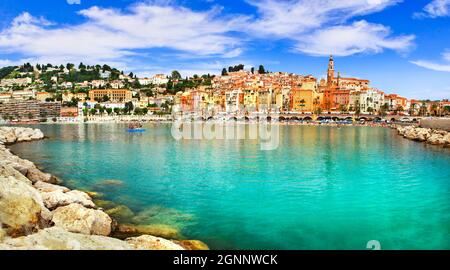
{"x": 323, "y": 188}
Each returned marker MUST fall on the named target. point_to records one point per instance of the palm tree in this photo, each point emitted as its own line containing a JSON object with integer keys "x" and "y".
{"x": 434, "y": 109}
{"x": 316, "y": 104}
{"x": 423, "y": 109}
{"x": 370, "y": 110}
{"x": 342, "y": 108}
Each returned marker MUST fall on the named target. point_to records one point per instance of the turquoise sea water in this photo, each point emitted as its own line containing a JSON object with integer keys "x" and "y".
{"x": 323, "y": 188}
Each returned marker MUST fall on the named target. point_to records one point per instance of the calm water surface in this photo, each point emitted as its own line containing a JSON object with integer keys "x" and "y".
{"x": 323, "y": 188}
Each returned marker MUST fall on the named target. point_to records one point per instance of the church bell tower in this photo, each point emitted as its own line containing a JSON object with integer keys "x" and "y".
{"x": 330, "y": 73}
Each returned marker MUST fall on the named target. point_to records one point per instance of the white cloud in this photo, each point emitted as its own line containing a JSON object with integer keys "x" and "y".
{"x": 114, "y": 35}
{"x": 321, "y": 27}
{"x": 72, "y": 2}
{"x": 286, "y": 18}
{"x": 445, "y": 66}
{"x": 117, "y": 36}
{"x": 436, "y": 8}
{"x": 359, "y": 37}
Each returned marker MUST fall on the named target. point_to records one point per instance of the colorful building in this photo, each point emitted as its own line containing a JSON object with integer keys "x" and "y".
{"x": 114, "y": 95}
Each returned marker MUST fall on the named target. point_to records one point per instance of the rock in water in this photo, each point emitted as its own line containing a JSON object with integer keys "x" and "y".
{"x": 79, "y": 219}
{"x": 192, "y": 244}
{"x": 22, "y": 210}
{"x": 121, "y": 213}
{"x": 35, "y": 175}
{"x": 148, "y": 242}
{"x": 59, "y": 198}
{"x": 105, "y": 204}
{"x": 56, "y": 238}
{"x": 124, "y": 231}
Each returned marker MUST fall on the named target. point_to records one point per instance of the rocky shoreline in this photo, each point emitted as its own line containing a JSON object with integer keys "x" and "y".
{"x": 427, "y": 135}
{"x": 36, "y": 213}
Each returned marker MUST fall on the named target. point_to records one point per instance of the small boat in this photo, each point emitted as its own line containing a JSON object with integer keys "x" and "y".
{"x": 135, "y": 128}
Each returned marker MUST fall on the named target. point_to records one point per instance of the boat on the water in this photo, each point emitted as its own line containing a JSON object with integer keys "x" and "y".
{"x": 135, "y": 128}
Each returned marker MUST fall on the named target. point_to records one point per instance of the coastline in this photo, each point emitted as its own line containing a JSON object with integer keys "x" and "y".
{"x": 37, "y": 212}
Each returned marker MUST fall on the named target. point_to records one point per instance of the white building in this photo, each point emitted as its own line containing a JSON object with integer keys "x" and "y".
{"x": 23, "y": 95}
{"x": 98, "y": 83}
{"x": 232, "y": 101}
{"x": 17, "y": 81}
{"x": 365, "y": 99}
{"x": 105, "y": 74}
{"x": 159, "y": 79}
{"x": 145, "y": 81}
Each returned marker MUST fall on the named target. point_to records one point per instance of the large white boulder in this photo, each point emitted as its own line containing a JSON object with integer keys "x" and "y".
{"x": 78, "y": 219}
{"x": 148, "y": 242}
{"x": 47, "y": 187}
{"x": 22, "y": 210}
{"x": 57, "y": 198}
{"x": 56, "y": 238}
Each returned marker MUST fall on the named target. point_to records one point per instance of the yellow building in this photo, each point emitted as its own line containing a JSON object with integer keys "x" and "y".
{"x": 42, "y": 96}
{"x": 264, "y": 100}
{"x": 305, "y": 98}
{"x": 115, "y": 95}
{"x": 250, "y": 99}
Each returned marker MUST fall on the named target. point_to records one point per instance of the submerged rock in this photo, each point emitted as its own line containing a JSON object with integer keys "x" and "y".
{"x": 161, "y": 230}
{"x": 79, "y": 219}
{"x": 56, "y": 238}
{"x": 148, "y": 242}
{"x": 192, "y": 244}
{"x": 22, "y": 210}
{"x": 162, "y": 215}
{"x": 110, "y": 182}
{"x": 105, "y": 204}
{"x": 121, "y": 213}
{"x": 59, "y": 198}
{"x": 93, "y": 194}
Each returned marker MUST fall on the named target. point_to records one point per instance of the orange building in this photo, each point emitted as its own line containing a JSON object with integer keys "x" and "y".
{"x": 336, "y": 92}
{"x": 69, "y": 112}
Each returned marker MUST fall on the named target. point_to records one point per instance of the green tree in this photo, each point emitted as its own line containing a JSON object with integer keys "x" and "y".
{"x": 116, "y": 111}
{"x": 109, "y": 111}
{"x": 176, "y": 75}
{"x": 224, "y": 72}
{"x": 342, "y": 108}
{"x": 81, "y": 66}
{"x": 261, "y": 70}
{"x": 129, "y": 107}
{"x": 93, "y": 111}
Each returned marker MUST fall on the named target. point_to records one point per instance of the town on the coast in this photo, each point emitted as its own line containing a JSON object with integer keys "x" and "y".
{"x": 84, "y": 93}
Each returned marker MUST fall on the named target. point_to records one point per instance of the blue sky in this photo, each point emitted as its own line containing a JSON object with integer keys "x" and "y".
{"x": 402, "y": 46}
